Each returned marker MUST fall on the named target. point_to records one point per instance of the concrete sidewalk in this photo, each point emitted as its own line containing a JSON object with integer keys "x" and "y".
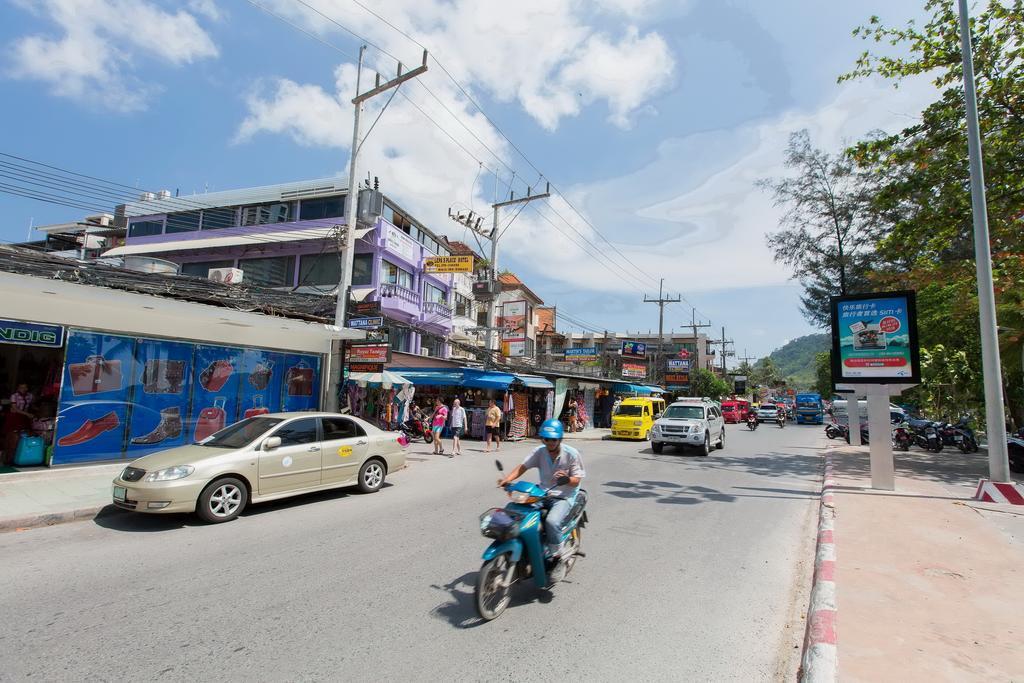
{"x": 44, "y": 497}
{"x": 928, "y": 582}
{"x": 592, "y": 434}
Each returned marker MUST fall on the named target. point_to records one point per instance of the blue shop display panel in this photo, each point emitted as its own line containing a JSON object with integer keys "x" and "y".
{"x": 125, "y": 397}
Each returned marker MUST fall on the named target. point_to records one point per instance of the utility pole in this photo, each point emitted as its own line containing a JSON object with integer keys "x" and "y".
{"x": 352, "y": 201}
{"x": 723, "y": 342}
{"x": 694, "y": 325}
{"x": 494, "y": 237}
{"x": 661, "y": 301}
{"x": 995, "y": 425}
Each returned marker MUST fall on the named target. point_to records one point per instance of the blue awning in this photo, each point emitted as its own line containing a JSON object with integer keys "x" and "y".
{"x": 535, "y": 382}
{"x": 469, "y": 378}
{"x": 632, "y": 389}
{"x": 656, "y": 390}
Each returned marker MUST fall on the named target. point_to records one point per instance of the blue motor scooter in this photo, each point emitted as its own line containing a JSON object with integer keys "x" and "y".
{"x": 518, "y": 550}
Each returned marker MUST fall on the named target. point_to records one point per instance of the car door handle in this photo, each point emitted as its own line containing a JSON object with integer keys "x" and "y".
{"x": 361, "y": 442}
{"x": 313, "y": 448}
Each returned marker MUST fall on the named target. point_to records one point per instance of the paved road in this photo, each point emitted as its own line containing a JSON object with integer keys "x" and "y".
{"x": 697, "y": 569}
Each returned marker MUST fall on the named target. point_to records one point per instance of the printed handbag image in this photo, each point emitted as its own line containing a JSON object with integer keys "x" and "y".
{"x": 95, "y": 375}
{"x": 216, "y": 375}
{"x": 163, "y": 376}
{"x": 257, "y": 408}
{"x": 211, "y": 420}
{"x": 300, "y": 380}
{"x": 259, "y": 378}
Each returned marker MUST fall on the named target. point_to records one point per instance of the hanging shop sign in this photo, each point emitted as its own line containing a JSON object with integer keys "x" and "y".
{"x": 448, "y": 264}
{"x": 366, "y": 367}
{"x": 633, "y": 371}
{"x": 632, "y": 349}
{"x": 513, "y": 348}
{"x": 368, "y": 352}
{"x": 874, "y": 339}
{"x": 684, "y": 353}
{"x": 366, "y": 323}
{"x": 677, "y": 378}
{"x": 678, "y": 364}
{"x": 31, "y": 334}
{"x": 368, "y": 308}
{"x": 584, "y": 353}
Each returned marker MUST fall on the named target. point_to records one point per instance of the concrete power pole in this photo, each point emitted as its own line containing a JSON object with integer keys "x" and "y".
{"x": 694, "y": 325}
{"x": 661, "y": 301}
{"x": 494, "y": 237}
{"x": 723, "y": 342}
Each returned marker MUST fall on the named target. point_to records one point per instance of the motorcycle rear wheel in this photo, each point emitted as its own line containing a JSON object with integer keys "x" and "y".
{"x": 490, "y": 595}
{"x": 575, "y": 543}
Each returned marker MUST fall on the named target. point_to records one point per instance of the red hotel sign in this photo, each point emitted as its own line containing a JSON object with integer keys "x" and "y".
{"x": 369, "y": 353}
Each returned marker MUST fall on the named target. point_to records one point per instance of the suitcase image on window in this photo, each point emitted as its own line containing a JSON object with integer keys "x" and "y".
{"x": 95, "y": 375}
{"x": 300, "y": 380}
{"x": 211, "y": 420}
{"x": 257, "y": 408}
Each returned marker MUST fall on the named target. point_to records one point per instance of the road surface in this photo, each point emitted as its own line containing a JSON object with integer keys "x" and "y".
{"x": 696, "y": 568}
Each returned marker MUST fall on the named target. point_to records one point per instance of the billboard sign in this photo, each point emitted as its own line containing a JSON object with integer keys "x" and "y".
{"x": 634, "y": 371}
{"x": 677, "y": 378}
{"x": 874, "y": 339}
{"x": 632, "y": 349}
{"x": 583, "y": 353}
{"x": 366, "y": 323}
{"x": 678, "y": 364}
{"x": 513, "y": 348}
{"x": 513, "y": 321}
{"x": 368, "y": 352}
{"x": 31, "y": 334}
{"x": 448, "y": 264}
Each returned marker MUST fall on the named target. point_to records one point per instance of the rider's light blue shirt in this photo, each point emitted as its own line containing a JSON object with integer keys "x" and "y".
{"x": 568, "y": 459}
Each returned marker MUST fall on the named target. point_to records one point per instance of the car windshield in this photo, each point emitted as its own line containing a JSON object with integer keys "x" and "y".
{"x": 767, "y": 406}
{"x": 685, "y": 412}
{"x": 631, "y": 411}
{"x": 241, "y": 433}
{"x": 807, "y": 404}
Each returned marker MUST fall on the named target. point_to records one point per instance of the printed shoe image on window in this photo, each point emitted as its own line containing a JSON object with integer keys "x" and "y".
{"x": 216, "y": 375}
{"x": 90, "y": 429}
{"x": 169, "y": 428}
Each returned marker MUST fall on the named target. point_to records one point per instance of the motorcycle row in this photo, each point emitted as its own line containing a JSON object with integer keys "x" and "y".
{"x": 928, "y": 435}
{"x": 752, "y": 421}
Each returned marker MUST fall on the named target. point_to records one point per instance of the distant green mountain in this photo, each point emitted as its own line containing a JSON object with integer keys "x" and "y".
{"x": 795, "y": 360}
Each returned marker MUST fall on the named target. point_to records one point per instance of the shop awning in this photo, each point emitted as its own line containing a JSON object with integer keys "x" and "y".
{"x": 535, "y": 382}
{"x": 470, "y": 378}
{"x": 656, "y": 390}
{"x": 386, "y": 379}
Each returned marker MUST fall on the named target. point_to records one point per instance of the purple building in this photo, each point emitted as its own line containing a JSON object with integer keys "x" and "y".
{"x": 290, "y": 236}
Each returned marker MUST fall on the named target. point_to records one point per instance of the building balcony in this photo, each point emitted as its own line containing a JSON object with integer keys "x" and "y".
{"x": 389, "y": 291}
{"x": 435, "y": 309}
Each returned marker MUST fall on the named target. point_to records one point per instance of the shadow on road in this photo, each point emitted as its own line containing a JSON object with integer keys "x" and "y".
{"x": 772, "y": 464}
{"x": 460, "y": 610}
{"x": 949, "y": 466}
{"x": 668, "y": 493}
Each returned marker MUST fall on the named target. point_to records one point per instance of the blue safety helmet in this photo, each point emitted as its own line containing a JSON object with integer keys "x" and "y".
{"x": 552, "y": 429}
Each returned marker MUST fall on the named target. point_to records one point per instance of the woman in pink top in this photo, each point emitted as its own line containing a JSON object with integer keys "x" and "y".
{"x": 437, "y": 423}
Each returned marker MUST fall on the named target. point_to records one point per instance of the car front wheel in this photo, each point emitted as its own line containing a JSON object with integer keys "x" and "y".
{"x": 657, "y": 446}
{"x": 706, "y": 448}
{"x": 721, "y": 440}
{"x": 371, "y": 476}
{"x": 223, "y": 500}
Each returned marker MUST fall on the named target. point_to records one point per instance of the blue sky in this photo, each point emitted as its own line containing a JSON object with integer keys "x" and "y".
{"x": 654, "y": 118}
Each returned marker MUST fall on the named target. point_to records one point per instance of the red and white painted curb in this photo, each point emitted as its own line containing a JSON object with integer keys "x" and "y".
{"x": 999, "y": 492}
{"x": 819, "y": 660}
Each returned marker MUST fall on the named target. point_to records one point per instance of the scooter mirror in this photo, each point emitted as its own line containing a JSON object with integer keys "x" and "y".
{"x": 497, "y": 463}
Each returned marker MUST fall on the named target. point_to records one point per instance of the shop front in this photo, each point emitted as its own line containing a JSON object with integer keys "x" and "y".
{"x": 122, "y": 374}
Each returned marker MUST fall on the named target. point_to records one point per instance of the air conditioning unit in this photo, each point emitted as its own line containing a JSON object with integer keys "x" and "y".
{"x": 164, "y": 194}
{"x": 147, "y": 197}
{"x": 229, "y": 276}
{"x": 424, "y": 352}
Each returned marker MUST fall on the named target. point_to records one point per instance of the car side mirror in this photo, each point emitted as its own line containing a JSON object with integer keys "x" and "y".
{"x": 270, "y": 443}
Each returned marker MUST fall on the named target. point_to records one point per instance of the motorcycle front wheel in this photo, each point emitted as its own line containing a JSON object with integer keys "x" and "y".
{"x": 492, "y": 595}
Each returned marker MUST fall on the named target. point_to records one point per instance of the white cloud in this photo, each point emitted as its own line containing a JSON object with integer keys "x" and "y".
{"x": 92, "y": 59}
{"x": 207, "y": 8}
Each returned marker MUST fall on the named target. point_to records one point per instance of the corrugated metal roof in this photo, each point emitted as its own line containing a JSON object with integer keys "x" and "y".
{"x": 250, "y": 195}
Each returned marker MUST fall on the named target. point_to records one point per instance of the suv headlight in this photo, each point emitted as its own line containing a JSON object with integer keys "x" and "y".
{"x": 171, "y": 473}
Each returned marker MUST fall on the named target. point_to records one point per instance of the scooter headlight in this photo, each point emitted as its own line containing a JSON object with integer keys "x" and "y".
{"x": 522, "y": 497}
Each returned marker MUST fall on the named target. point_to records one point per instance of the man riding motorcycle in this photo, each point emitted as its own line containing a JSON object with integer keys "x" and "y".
{"x": 561, "y": 470}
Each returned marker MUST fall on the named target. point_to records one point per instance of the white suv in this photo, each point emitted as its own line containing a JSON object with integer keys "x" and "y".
{"x": 690, "y": 422}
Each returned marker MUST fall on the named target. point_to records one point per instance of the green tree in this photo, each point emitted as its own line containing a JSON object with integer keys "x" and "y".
{"x": 766, "y": 374}
{"x": 824, "y": 234}
{"x": 706, "y": 383}
{"x": 823, "y": 374}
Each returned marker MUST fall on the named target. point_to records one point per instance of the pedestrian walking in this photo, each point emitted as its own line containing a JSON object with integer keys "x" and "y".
{"x": 437, "y": 423}
{"x": 458, "y": 426}
{"x": 492, "y": 425}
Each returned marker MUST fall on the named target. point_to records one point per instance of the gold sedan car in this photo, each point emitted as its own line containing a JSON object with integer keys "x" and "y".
{"x": 260, "y": 459}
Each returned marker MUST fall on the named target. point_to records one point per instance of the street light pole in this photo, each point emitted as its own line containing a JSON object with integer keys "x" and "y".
{"x": 995, "y": 424}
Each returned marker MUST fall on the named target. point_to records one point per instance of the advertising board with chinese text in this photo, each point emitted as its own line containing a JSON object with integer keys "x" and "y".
{"x": 874, "y": 339}
{"x": 631, "y": 349}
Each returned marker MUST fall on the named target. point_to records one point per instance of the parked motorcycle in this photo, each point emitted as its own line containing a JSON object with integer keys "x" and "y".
{"x": 834, "y": 430}
{"x": 902, "y": 438}
{"x": 517, "y": 552}
{"x": 963, "y": 436}
{"x": 415, "y": 430}
{"x": 926, "y": 435}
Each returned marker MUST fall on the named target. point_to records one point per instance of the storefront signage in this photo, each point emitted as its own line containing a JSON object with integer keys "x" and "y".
{"x": 583, "y": 353}
{"x": 513, "y": 348}
{"x": 874, "y": 339}
{"x": 366, "y": 367}
{"x": 448, "y": 264}
{"x": 634, "y": 349}
{"x": 678, "y": 364}
{"x": 368, "y": 352}
{"x": 399, "y": 243}
{"x": 677, "y": 378}
{"x": 366, "y": 323}
{"x": 365, "y": 308}
{"x": 513, "y": 321}
{"x": 31, "y": 334}
{"x": 633, "y": 371}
